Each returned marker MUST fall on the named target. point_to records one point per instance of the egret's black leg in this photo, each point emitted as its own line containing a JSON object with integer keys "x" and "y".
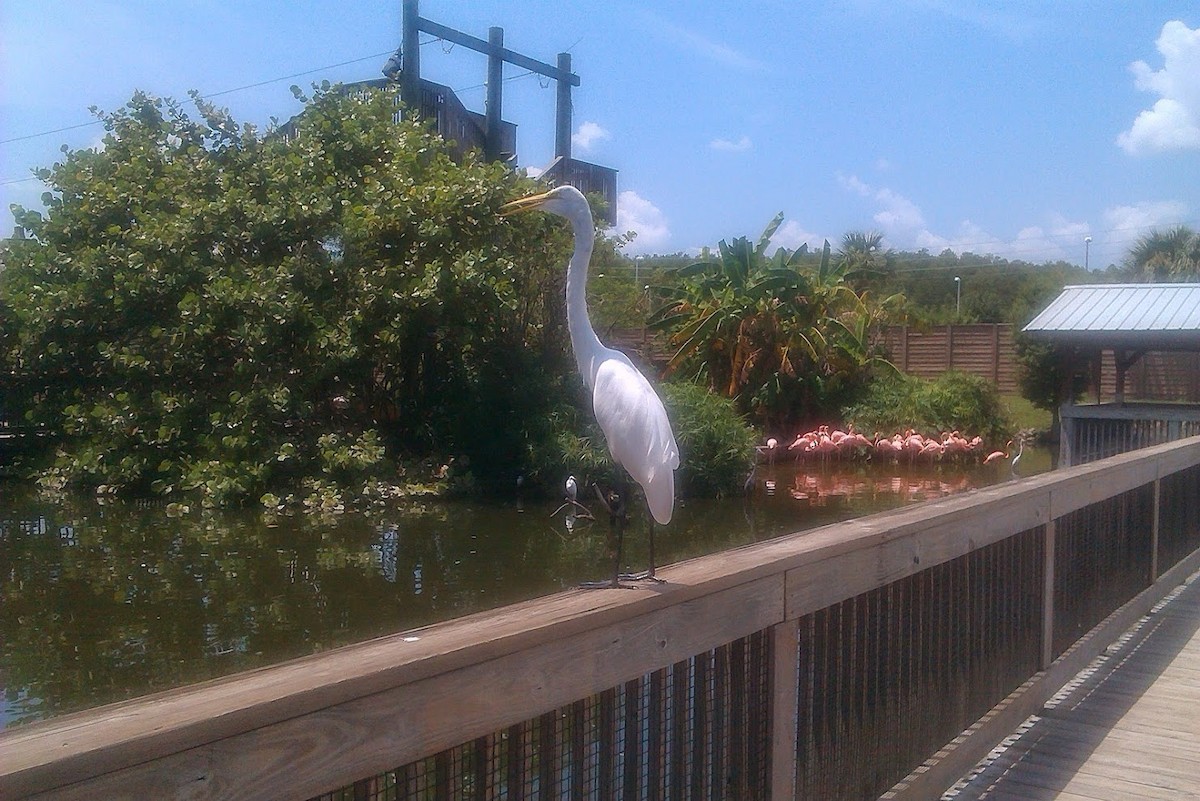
{"x": 646, "y": 575}
{"x": 615, "y": 504}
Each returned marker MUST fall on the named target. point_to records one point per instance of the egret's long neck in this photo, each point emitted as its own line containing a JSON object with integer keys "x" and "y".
{"x": 584, "y": 341}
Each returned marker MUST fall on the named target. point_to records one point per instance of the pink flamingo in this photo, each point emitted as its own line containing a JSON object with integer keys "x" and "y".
{"x": 996, "y": 456}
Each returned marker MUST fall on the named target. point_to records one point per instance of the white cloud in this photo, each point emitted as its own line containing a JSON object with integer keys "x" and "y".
{"x": 1126, "y": 221}
{"x": 589, "y": 133}
{"x": 534, "y": 172}
{"x": 903, "y": 224}
{"x": 635, "y": 213}
{"x": 791, "y": 235}
{"x": 734, "y": 147}
{"x": 704, "y": 46}
{"x": 1173, "y": 122}
{"x": 896, "y": 213}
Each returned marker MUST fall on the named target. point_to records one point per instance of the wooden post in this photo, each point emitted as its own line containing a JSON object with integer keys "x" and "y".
{"x": 410, "y": 73}
{"x": 904, "y": 348}
{"x": 495, "y": 85}
{"x": 1154, "y": 522}
{"x": 1048, "y": 596}
{"x": 949, "y": 347}
{"x": 995, "y": 354}
{"x": 784, "y": 703}
{"x": 562, "y": 116}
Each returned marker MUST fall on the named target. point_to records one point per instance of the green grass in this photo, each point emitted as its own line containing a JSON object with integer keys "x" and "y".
{"x": 1024, "y": 414}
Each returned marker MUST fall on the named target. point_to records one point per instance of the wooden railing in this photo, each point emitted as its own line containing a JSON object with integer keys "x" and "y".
{"x": 879, "y": 656}
{"x": 1097, "y": 431}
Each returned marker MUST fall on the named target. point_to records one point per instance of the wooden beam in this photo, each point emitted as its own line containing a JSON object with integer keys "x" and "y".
{"x": 488, "y": 49}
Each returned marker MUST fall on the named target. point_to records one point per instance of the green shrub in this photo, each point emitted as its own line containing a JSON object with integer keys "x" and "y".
{"x": 953, "y": 402}
{"x": 716, "y": 445}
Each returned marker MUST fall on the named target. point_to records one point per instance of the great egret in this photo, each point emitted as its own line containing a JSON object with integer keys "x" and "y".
{"x": 1017, "y": 458}
{"x": 629, "y": 412}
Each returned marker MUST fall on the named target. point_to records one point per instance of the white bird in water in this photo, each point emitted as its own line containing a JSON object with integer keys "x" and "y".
{"x": 629, "y": 412}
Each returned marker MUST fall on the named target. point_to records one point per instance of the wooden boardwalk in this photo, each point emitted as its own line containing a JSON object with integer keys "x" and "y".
{"x": 1128, "y": 727}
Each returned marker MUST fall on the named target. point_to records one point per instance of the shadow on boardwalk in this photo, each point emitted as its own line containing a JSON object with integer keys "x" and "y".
{"x": 1127, "y": 727}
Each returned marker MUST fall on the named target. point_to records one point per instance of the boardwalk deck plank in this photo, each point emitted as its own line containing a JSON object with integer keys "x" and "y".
{"x": 1129, "y": 728}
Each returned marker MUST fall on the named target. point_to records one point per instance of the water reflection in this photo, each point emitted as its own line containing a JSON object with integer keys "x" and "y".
{"x": 100, "y": 603}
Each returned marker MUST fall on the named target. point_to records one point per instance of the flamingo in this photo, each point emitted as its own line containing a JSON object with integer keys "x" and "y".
{"x": 996, "y": 456}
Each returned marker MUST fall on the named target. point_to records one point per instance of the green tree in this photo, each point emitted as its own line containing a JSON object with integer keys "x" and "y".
{"x": 1170, "y": 255}
{"x": 1049, "y": 376}
{"x": 204, "y": 306}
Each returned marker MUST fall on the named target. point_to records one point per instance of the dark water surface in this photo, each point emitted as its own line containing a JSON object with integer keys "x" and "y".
{"x": 102, "y": 602}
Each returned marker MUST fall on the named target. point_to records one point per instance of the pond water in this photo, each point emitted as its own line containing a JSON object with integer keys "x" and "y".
{"x": 102, "y": 602}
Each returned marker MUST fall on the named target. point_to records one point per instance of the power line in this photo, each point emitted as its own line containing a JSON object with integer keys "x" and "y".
{"x": 211, "y": 95}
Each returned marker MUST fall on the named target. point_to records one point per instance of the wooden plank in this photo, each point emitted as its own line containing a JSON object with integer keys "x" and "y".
{"x": 905, "y": 551}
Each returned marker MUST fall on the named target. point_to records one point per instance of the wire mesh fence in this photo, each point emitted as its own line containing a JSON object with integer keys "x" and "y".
{"x": 697, "y": 729}
{"x": 888, "y": 677}
{"x": 1101, "y": 560}
{"x": 1179, "y": 519}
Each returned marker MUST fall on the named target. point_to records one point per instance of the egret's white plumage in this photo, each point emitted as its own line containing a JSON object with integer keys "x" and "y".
{"x": 630, "y": 413}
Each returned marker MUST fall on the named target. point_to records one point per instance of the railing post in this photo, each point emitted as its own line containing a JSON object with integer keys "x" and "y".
{"x": 1154, "y": 530}
{"x": 785, "y": 693}
{"x": 1048, "y": 596}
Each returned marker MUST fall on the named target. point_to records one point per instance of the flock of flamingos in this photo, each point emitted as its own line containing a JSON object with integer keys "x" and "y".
{"x": 822, "y": 443}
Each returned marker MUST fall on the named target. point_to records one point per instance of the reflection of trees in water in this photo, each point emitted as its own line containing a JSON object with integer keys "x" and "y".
{"x": 103, "y": 603}
{"x": 99, "y": 603}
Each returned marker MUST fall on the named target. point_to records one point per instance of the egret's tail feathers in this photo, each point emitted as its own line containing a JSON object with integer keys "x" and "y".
{"x": 660, "y": 496}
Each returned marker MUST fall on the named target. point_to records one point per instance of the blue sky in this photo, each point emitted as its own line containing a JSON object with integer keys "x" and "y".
{"x": 1012, "y": 128}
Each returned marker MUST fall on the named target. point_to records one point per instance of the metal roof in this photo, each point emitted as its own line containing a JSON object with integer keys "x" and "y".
{"x": 1145, "y": 316}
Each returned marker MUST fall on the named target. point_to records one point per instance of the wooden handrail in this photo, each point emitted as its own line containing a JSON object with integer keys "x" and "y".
{"x": 306, "y": 726}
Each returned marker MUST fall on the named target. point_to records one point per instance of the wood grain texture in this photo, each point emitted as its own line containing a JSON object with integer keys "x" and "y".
{"x": 1126, "y": 728}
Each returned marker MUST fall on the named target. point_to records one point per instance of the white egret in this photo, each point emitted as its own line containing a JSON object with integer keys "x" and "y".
{"x": 629, "y": 412}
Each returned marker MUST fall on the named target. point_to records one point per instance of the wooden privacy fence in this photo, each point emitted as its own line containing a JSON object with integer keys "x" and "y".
{"x": 985, "y": 350}
{"x": 878, "y": 656}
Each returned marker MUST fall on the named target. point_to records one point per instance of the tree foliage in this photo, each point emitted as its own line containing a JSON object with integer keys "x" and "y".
{"x": 786, "y": 336}
{"x": 207, "y": 307}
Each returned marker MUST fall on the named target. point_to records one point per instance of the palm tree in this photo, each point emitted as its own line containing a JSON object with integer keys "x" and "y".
{"x": 1170, "y": 255}
{"x": 864, "y": 257}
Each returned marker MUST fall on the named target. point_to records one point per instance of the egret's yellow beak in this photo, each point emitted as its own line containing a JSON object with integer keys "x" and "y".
{"x": 524, "y": 204}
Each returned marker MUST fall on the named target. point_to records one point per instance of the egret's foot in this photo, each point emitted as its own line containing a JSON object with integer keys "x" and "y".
{"x": 606, "y": 584}
{"x": 645, "y": 575}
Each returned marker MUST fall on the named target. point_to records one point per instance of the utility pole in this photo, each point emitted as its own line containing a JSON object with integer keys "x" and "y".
{"x": 562, "y": 110}
{"x": 495, "y": 86}
{"x": 410, "y": 76}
